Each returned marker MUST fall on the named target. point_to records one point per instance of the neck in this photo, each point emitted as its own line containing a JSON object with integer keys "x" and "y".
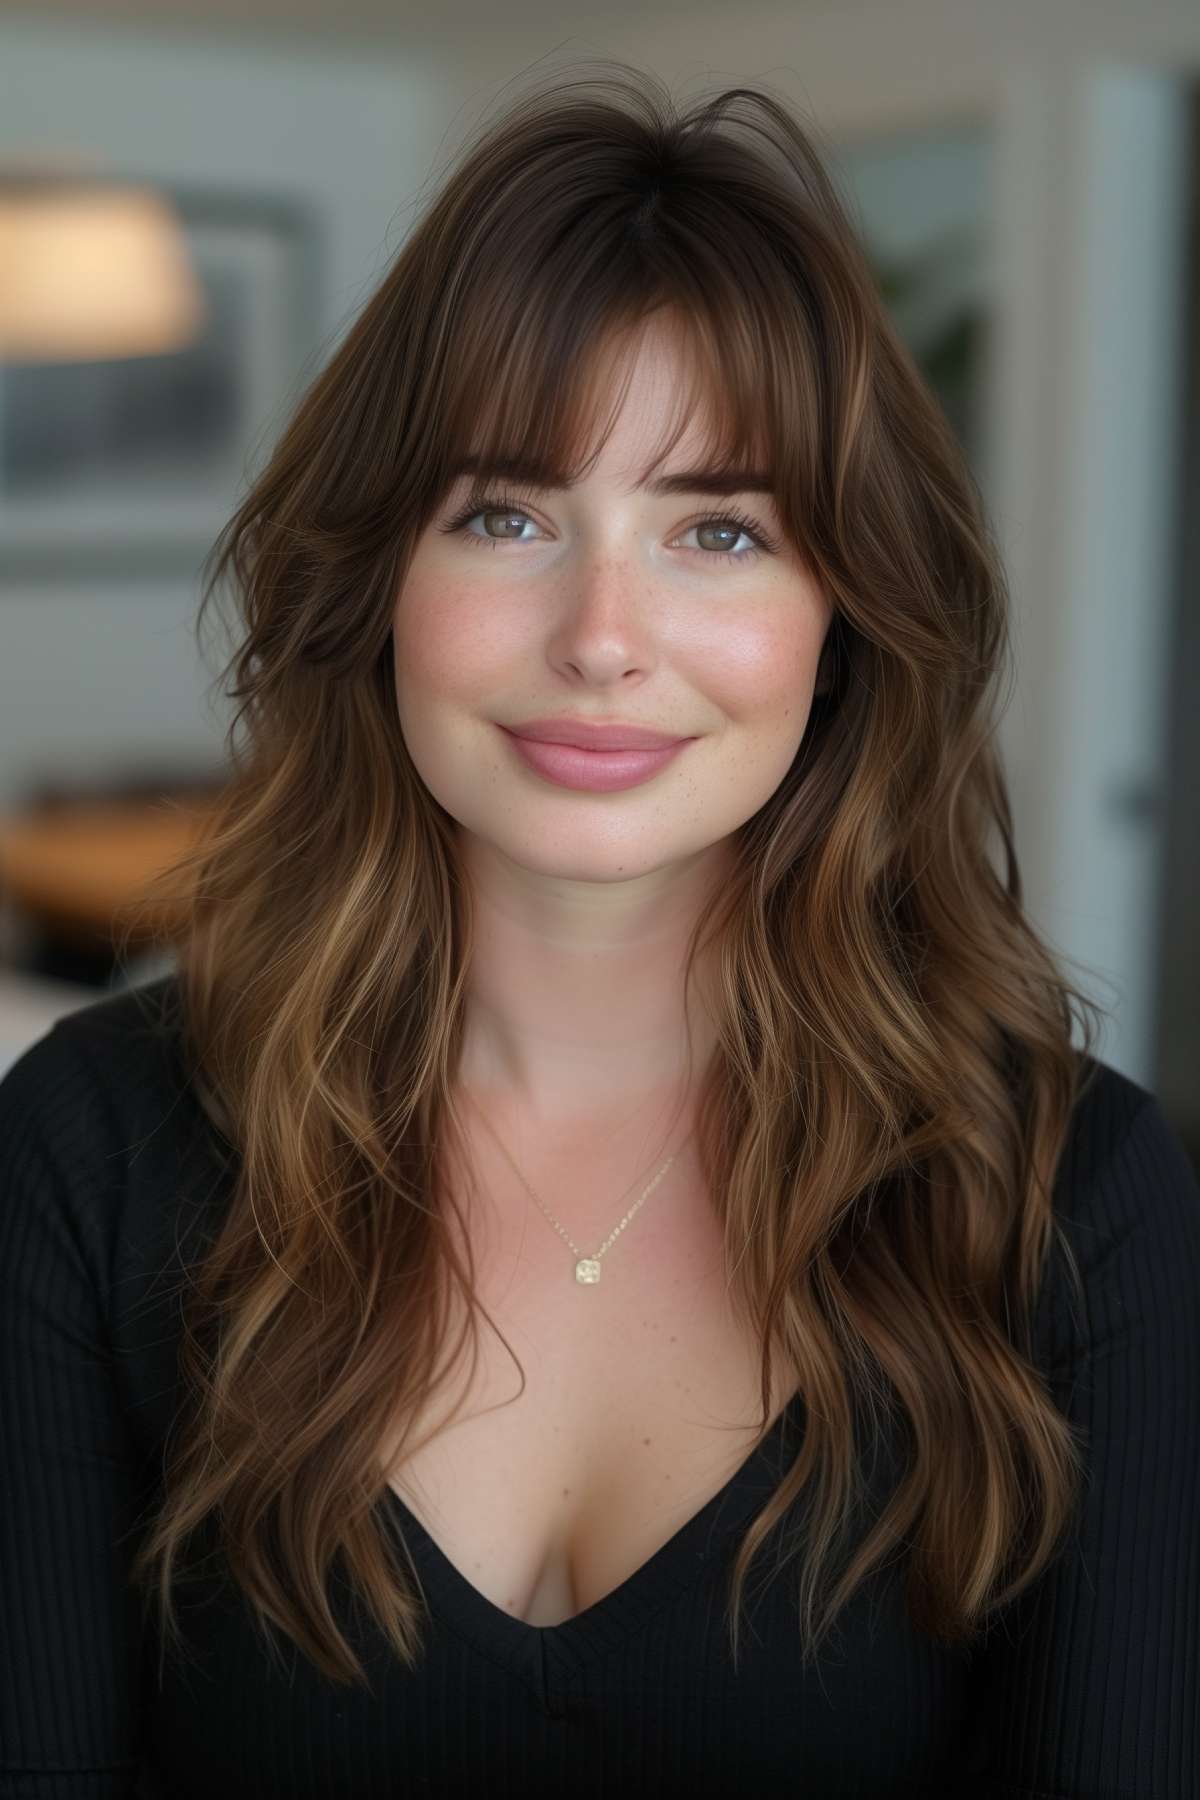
{"x": 575, "y": 1012}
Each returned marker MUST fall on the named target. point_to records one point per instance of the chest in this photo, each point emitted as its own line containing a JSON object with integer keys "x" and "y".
{"x": 640, "y": 1401}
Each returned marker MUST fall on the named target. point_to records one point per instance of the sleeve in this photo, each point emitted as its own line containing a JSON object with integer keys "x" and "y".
{"x": 1089, "y": 1687}
{"x": 69, "y": 1622}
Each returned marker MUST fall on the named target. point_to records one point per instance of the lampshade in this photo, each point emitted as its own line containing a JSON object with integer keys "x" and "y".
{"x": 91, "y": 270}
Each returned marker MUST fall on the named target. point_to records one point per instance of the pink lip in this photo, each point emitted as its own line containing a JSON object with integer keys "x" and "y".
{"x": 598, "y": 771}
{"x": 589, "y": 734}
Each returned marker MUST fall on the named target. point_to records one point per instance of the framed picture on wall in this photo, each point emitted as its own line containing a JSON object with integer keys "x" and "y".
{"x": 136, "y": 462}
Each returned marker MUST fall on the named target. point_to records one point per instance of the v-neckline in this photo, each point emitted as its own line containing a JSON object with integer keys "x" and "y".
{"x": 608, "y": 1622}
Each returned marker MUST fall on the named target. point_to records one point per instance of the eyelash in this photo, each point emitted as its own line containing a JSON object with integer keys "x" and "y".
{"x": 482, "y": 502}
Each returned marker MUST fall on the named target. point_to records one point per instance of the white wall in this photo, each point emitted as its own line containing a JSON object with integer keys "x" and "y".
{"x": 1103, "y": 432}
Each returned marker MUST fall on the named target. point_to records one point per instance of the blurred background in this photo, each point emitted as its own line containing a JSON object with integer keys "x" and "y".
{"x": 196, "y": 198}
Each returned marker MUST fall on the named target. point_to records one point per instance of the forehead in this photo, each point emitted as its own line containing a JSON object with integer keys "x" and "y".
{"x": 641, "y": 410}
{"x": 659, "y": 401}
{"x": 662, "y": 402}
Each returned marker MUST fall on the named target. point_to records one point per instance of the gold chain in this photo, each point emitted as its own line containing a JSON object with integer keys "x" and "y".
{"x": 587, "y": 1268}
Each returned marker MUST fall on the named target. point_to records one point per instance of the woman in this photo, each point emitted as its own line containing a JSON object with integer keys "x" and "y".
{"x": 715, "y": 1072}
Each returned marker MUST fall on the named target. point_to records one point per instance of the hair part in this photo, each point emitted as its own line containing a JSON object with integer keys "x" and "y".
{"x": 895, "y": 1074}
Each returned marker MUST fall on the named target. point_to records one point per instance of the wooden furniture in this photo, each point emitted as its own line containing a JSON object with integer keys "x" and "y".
{"x": 73, "y": 868}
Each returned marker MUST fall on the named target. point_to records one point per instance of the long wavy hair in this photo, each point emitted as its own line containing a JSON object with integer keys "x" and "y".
{"x": 890, "y": 1095}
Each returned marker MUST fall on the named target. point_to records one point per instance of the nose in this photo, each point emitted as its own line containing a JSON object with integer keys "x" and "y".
{"x": 603, "y": 617}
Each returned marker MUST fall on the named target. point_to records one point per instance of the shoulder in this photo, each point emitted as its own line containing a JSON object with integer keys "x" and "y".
{"x": 98, "y": 1071}
{"x": 101, "y": 1135}
{"x": 1122, "y": 1157}
{"x": 1127, "y": 1201}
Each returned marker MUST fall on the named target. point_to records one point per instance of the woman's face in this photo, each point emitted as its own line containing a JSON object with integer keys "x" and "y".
{"x": 615, "y": 604}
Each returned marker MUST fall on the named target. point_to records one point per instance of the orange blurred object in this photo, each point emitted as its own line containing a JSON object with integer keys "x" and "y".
{"x": 77, "y": 868}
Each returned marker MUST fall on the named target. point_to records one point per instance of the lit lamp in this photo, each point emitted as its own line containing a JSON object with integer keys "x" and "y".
{"x": 90, "y": 269}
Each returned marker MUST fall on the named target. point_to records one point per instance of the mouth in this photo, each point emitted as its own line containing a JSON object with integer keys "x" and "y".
{"x": 586, "y": 734}
{"x": 598, "y": 771}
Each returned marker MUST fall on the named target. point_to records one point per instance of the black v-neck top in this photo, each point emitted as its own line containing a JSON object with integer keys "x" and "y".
{"x": 111, "y": 1179}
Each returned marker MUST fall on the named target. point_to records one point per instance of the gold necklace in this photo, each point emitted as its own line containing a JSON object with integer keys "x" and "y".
{"x": 587, "y": 1268}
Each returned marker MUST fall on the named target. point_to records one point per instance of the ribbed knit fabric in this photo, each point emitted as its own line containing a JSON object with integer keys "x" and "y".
{"x": 111, "y": 1180}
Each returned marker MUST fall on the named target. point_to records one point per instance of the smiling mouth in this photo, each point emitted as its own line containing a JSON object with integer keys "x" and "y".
{"x": 570, "y": 765}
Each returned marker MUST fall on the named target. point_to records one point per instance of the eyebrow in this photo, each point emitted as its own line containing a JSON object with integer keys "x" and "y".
{"x": 684, "y": 481}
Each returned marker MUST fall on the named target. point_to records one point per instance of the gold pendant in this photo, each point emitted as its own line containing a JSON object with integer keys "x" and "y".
{"x": 587, "y": 1269}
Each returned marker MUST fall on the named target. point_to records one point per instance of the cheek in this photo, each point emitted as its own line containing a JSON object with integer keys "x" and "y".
{"x": 762, "y": 671}
{"x": 442, "y": 646}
